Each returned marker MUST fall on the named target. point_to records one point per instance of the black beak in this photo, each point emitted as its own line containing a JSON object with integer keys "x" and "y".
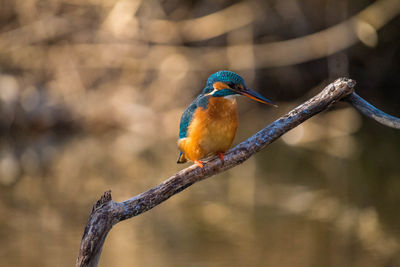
{"x": 255, "y": 96}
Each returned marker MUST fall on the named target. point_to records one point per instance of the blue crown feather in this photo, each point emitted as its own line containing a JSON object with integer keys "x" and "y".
{"x": 222, "y": 76}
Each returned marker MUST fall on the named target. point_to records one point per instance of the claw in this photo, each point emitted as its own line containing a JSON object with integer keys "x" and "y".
{"x": 199, "y": 163}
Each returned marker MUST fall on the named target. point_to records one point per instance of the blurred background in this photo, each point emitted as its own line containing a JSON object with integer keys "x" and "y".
{"x": 91, "y": 94}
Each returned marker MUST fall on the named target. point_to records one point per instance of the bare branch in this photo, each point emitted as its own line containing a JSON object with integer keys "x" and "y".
{"x": 107, "y": 213}
{"x": 372, "y": 112}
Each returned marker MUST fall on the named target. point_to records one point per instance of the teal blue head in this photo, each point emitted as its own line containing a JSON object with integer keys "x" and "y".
{"x": 227, "y": 83}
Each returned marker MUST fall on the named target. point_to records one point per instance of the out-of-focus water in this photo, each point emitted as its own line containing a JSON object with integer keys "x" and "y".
{"x": 294, "y": 204}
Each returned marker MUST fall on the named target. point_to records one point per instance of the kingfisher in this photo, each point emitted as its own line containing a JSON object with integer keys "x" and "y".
{"x": 208, "y": 125}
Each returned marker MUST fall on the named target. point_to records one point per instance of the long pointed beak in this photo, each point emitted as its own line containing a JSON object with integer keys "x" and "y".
{"x": 256, "y": 96}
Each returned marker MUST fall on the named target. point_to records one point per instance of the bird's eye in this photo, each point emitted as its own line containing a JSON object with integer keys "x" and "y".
{"x": 230, "y": 84}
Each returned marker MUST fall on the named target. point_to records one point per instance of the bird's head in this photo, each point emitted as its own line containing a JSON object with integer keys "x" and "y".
{"x": 227, "y": 83}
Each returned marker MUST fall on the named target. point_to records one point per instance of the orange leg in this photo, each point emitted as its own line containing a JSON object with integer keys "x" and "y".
{"x": 199, "y": 163}
{"x": 221, "y": 155}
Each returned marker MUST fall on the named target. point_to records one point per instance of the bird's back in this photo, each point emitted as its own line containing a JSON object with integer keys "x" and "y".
{"x": 200, "y": 102}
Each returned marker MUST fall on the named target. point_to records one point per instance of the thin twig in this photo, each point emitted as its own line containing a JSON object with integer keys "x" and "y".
{"x": 107, "y": 213}
{"x": 372, "y": 112}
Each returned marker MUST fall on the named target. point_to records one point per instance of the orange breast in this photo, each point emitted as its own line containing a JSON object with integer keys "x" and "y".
{"x": 211, "y": 130}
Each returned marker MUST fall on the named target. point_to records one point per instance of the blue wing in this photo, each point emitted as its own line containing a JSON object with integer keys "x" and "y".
{"x": 187, "y": 116}
{"x": 186, "y": 119}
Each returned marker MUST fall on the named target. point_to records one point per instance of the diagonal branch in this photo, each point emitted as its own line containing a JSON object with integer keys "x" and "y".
{"x": 107, "y": 213}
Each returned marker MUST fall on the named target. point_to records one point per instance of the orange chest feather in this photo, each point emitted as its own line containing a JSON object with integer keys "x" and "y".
{"x": 220, "y": 113}
{"x": 214, "y": 128}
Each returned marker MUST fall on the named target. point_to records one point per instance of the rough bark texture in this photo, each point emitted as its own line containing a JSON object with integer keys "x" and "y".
{"x": 107, "y": 213}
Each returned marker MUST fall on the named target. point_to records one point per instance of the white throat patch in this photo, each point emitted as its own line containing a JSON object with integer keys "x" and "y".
{"x": 230, "y": 97}
{"x": 212, "y": 92}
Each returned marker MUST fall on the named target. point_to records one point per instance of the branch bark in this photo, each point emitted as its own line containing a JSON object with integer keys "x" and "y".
{"x": 106, "y": 213}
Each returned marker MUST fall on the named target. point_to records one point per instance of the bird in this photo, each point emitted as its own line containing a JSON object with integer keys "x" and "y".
{"x": 209, "y": 124}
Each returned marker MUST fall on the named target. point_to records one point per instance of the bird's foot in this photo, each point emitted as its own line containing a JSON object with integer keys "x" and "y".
{"x": 199, "y": 163}
{"x": 221, "y": 155}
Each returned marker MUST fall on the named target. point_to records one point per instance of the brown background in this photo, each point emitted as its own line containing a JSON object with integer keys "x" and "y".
{"x": 91, "y": 93}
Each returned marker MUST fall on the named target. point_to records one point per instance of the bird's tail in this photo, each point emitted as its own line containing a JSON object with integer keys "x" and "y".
{"x": 181, "y": 158}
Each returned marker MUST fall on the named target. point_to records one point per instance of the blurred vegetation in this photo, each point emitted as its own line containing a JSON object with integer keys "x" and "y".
{"x": 91, "y": 93}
